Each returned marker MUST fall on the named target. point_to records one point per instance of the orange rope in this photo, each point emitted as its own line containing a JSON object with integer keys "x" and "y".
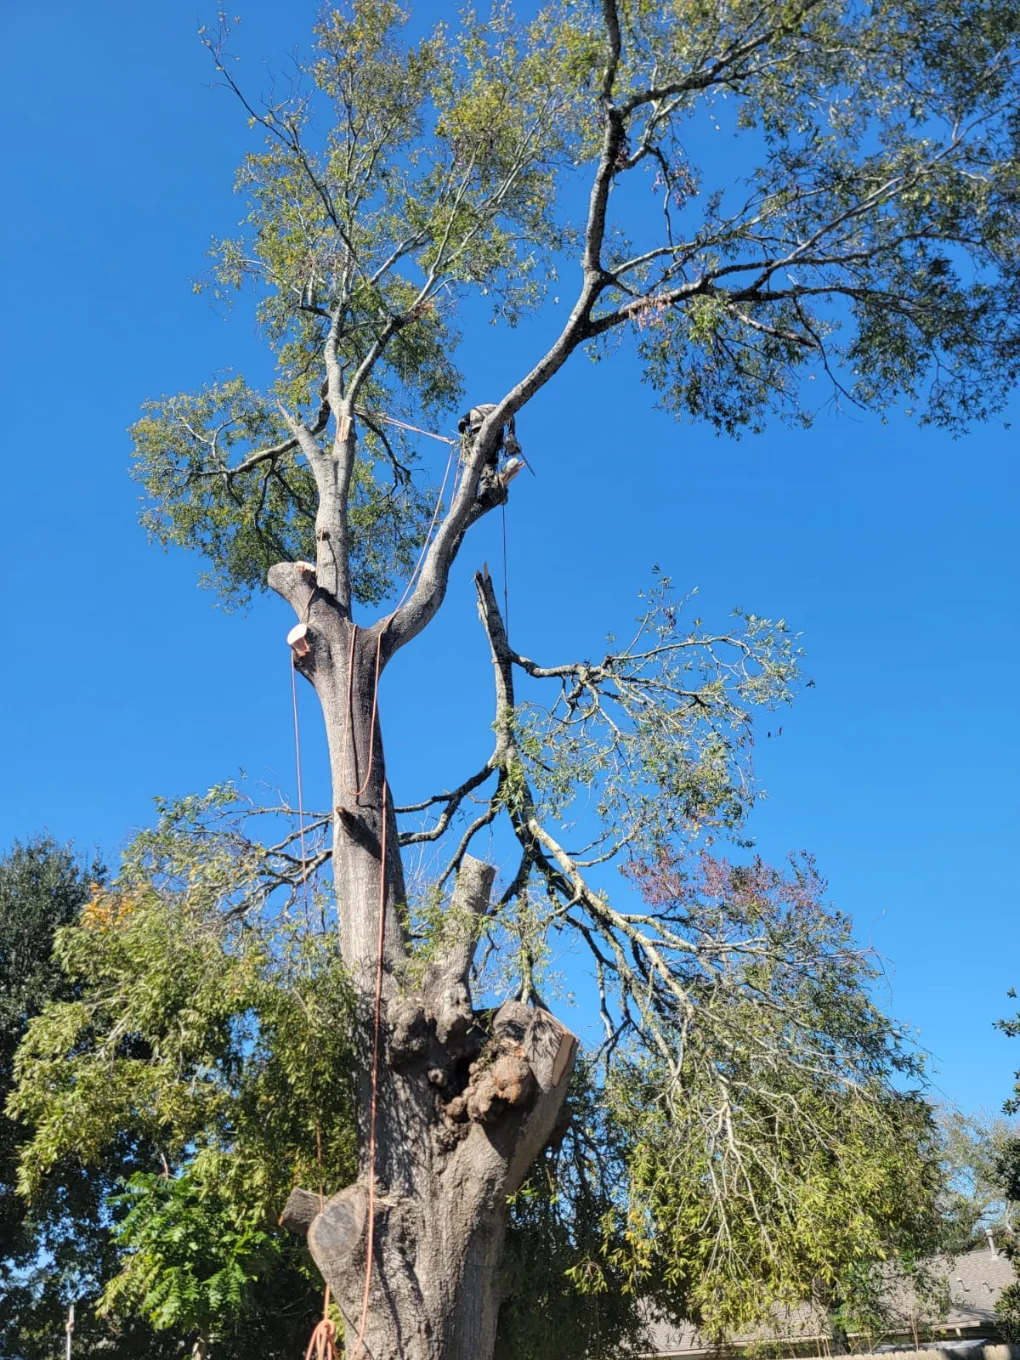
{"x": 322, "y": 1346}
{"x": 380, "y": 946}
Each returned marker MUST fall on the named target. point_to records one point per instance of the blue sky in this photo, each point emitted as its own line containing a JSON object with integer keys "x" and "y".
{"x": 892, "y": 550}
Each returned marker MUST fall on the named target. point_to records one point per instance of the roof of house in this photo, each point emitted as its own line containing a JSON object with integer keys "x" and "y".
{"x": 975, "y": 1281}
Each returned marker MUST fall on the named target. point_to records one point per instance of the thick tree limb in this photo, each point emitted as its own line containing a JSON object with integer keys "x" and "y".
{"x": 446, "y": 987}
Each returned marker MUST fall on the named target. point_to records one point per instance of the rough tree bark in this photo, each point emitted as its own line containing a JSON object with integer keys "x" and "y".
{"x": 465, "y": 1100}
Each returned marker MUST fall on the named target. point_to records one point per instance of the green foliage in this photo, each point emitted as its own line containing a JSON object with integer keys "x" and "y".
{"x": 210, "y": 1024}
{"x": 1007, "y": 1169}
{"x": 866, "y": 237}
{"x": 42, "y": 887}
{"x": 773, "y": 1161}
{"x": 394, "y": 163}
{"x": 1007, "y": 1314}
{"x": 982, "y": 1188}
{"x": 563, "y": 1294}
{"x": 881, "y": 171}
{"x": 57, "y": 1249}
{"x": 244, "y": 518}
{"x": 659, "y": 735}
{"x": 191, "y": 1264}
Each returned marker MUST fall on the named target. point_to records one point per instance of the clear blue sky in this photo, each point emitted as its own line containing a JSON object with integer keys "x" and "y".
{"x": 894, "y": 550}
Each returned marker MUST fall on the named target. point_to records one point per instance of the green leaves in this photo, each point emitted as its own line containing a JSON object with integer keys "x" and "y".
{"x": 58, "y": 1248}
{"x": 858, "y": 242}
{"x": 209, "y": 1030}
{"x": 658, "y": 736}
{"x": 189, "y": 1265}
{"x": 226, "y": 478}
{"x": 563, "y": 1296}
{"x": 773, "y": 1159}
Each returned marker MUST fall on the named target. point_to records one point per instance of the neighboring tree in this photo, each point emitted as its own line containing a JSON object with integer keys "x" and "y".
{"x": 201, "y": 1021}
{"x": 758, "y": 1178}
{"x": 60, "y": 1250}
{"x": 869, "y": 238}
{"x": 976, "y": 1152}
{"x": 1007, "y": 1167}
{"x": 43, "y": 886}
{"x": 1007, "y": 1174}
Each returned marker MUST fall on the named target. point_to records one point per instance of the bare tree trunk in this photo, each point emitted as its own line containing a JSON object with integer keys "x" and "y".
{"x": 464, "y": 1102}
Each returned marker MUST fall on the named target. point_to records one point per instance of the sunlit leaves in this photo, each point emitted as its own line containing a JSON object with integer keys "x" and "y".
{"x": 190, "y": 1264}
{"x": 861, "y": 244}
{"x": 211, "y": 1025}
{"x": 192, "y": 456}
{"x": 657, "y": 738}
{"x": 774, "y": 1159}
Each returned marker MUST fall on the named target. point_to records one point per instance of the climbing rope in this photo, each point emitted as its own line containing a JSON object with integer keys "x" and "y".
{"x": 322, "y": 1346}
{"x": 415, "y": 429}
{"x": 356, "y": 793}
{"x": 377, "y": 1029}
{"x": 506, "y": 583}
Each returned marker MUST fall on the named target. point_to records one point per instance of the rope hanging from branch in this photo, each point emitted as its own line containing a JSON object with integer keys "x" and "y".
{"x": 435, "y": 517}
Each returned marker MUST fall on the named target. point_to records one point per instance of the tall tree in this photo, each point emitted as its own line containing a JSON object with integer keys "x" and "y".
{"x": 192, "y": 1064}
{"x": 871, "y": 237}
{"x": 1005, "y": 1177}
{"x": 58, "y": 1251}
{"x": 980, "y": 1199}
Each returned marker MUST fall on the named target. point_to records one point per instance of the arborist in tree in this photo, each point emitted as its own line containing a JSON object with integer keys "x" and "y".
{"x": 506, "y": 443}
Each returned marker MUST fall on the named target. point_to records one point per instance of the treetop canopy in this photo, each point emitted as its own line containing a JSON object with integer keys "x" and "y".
{"x": 862, "y": 231}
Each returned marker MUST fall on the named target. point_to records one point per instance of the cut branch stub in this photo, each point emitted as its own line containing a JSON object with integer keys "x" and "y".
{"x": 336, "y": 1235}
{"x": 298, "y": 640}
{"x": 295, "y": 582}
{"x": 446, "y": 989}
{"x": 301, "y": 1207}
